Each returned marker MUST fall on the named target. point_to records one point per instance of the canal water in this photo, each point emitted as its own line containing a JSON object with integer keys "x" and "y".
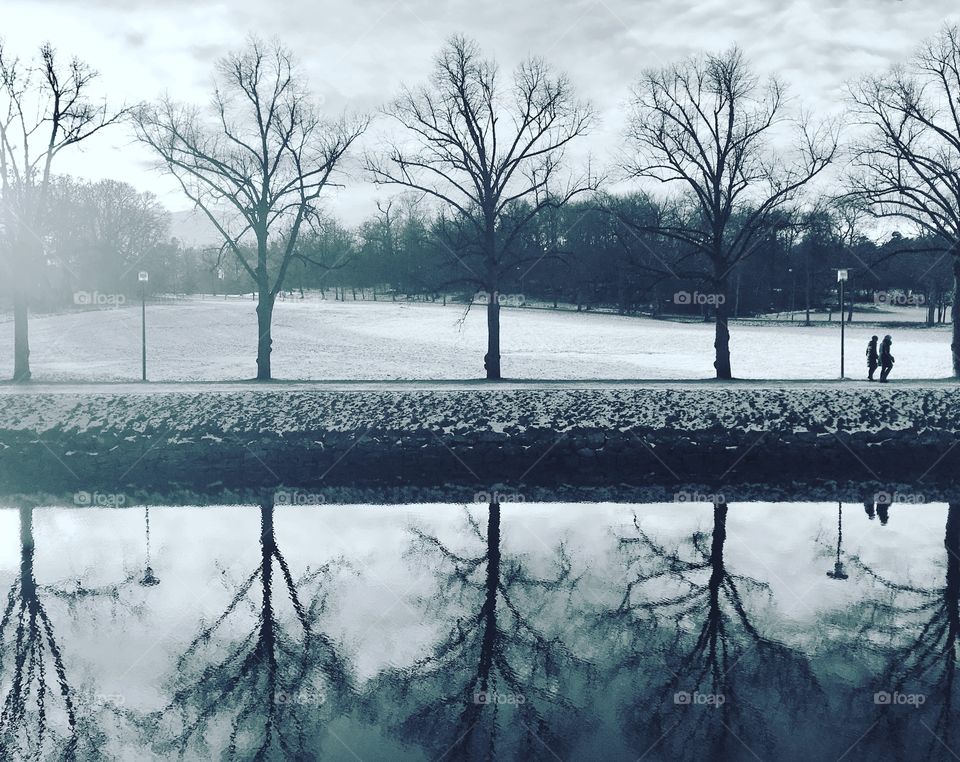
{"x": 499, "y": 630}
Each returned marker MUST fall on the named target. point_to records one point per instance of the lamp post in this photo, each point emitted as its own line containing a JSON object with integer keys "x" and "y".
{"x": 842, "y": 279}
{"x": 793, "y": 294}
{"x": 220, "y": 278}
{"x": 143, "y": 277}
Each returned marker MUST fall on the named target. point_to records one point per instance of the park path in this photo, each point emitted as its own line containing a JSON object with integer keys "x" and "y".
{"x": 194, "y": 387}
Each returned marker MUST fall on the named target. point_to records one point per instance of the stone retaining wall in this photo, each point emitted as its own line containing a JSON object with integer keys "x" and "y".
{"x": 637, "y": 436}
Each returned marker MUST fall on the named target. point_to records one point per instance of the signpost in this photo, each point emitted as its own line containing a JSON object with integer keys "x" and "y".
{"x": 143, "y": 277}
{"x": 842, "y": 279}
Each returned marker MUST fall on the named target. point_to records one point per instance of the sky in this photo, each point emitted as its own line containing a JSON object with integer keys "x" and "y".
{"x": 357, "y": 54}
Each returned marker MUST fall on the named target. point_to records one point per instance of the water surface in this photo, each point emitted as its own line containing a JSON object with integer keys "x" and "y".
{"x": 509, "y": 631}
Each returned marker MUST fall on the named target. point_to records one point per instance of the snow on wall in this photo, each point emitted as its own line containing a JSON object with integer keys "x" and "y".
{"x": 282, "y": 412}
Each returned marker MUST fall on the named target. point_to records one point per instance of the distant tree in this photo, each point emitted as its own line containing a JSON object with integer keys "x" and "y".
{"x": 126, "y": 225}
{"x": 708, "y": 125}
{"x": 328, "y": 252}
{"x": 398, "y": 248}
{"x": 45, "y": 107}
{"x": 98, "y": 234}
{"x": 491, "y": 156}
{"x": 908, "y": 163}
{"x": 256, "y": 166}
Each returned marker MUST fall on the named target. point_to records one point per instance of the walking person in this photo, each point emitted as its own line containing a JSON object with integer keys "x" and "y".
{"x": 872, "y": 358}
{"x": 886, "y": 359}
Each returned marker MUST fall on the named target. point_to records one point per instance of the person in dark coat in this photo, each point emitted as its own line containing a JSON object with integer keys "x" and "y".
{"x": 872, "y": 358}
{"x": 886, "y": 359}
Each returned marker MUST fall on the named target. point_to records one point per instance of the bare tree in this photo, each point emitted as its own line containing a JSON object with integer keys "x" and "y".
{"x": 45, "y": 107}
{"x": 909, "y": 161}
{"x": 708, "y": 126}
{"x": 256, "y": 167}
{"x": 491, "y": 156}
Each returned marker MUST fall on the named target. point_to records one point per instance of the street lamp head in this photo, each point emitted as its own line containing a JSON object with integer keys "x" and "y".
{"x": 143, "y": 276}
{"x": 838, "y": 572}
{"x": 149, "y": 579}
{"x": 842, "y": 275}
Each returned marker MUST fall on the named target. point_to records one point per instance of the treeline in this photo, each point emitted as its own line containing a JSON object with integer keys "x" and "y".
{"x": 580, "y": 255}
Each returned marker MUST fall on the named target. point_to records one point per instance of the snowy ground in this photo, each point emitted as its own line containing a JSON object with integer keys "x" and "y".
{"x": 214, "y": 339}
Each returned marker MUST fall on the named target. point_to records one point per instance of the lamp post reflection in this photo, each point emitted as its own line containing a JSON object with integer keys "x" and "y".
{"x": 149, "y": 579}
{"x": 838, "y": 571}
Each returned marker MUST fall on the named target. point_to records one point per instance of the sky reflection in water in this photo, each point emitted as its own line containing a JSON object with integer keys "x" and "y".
{"x": 535, "y": 631}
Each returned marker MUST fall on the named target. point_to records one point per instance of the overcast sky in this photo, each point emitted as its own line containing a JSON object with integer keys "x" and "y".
{"x": 356, "y": 54}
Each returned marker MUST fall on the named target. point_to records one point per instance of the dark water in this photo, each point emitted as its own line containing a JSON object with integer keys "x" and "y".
{"x": 515, "y": 631}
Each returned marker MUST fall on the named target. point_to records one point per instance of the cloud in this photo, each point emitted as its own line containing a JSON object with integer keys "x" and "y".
{"x": 357, "y": 54}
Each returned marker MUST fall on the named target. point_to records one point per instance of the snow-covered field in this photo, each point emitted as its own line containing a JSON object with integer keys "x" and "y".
{"x": 215, "y": 339}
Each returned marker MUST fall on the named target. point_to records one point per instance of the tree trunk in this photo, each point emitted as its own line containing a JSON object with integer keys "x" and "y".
{"x": 265, "y": 340}
{"x": 489, "y": 611}
{"x": 21, "y": 338}
{"x": 951, "y": 592}
{"x": 491, "y": 361}
{"x": 955, "y": 316}
{"x": 721, "y": 342}
{"x": 718, "y": 540}
{"x": 267, "y": 640}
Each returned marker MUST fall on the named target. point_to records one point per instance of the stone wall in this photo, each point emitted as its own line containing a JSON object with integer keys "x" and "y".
{"x": 631, "y": 436}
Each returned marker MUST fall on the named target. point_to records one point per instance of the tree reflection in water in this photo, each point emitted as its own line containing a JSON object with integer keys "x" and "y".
{"x": 260, "y": 694}
{"x": 496, "y": 685}
{"x": 914, "y": 631}
{"x": 721, "y": 682}
{"x": 41, "y": 715}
